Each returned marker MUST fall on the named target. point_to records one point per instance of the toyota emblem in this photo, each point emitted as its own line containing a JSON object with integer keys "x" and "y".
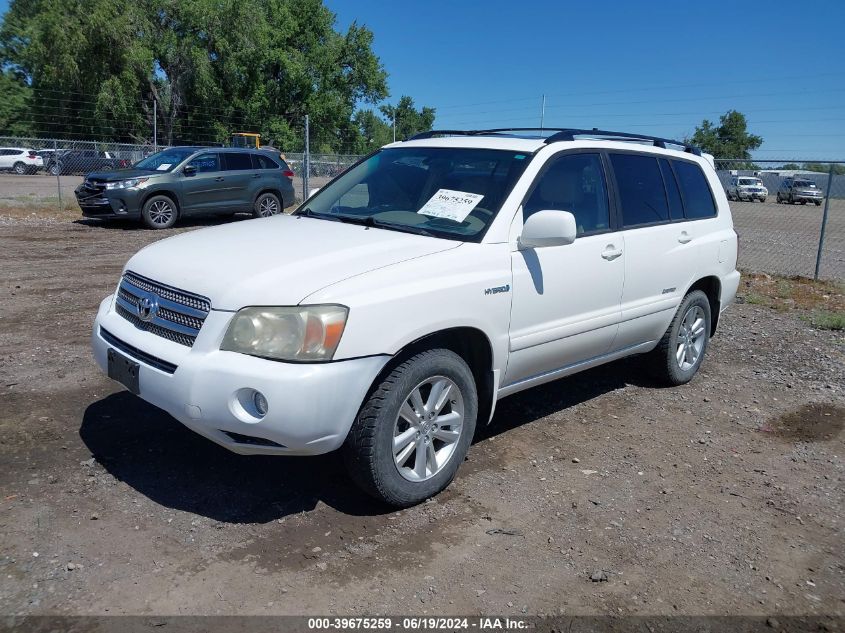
{"x": 147, "y": 308}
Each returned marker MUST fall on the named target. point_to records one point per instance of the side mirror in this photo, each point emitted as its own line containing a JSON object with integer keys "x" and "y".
{"x": 313, "y": 191}
{"x": 548, "y": 228}
{"x": 189, "y": 170}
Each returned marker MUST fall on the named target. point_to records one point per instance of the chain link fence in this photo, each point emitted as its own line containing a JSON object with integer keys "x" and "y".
{"x": 790, "y": 216}
{"x": 43, "y": 172}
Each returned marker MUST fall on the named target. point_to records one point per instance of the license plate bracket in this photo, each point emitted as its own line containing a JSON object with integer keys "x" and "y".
{"x": 124, "y": 371}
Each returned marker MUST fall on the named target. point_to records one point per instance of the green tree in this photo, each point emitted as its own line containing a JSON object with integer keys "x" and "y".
{"x": 409, "y": 120}
{"x": 730, "y": 139}
{"x": 211, "y": 67}
{"x": 14, "y": 105}
{"x": 838, "y": 170}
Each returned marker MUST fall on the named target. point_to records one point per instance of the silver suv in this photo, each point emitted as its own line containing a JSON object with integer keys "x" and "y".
{"x": 746, "y": 188}
{"x": 801, "y": 190}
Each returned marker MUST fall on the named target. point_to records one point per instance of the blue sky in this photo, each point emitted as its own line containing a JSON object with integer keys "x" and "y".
{"x": 654, "y": 66}
{"x": 658, "y": 67}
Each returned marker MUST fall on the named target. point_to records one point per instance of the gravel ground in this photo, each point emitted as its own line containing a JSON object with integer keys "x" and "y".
{"x": 596, "y": 494}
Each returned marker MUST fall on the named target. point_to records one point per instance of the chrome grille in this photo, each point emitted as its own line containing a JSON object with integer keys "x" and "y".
{"x": 178, "y": 316}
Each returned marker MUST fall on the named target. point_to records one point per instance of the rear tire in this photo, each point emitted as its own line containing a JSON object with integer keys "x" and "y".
{"x": 159, "y": 212}
{"x": 680, "y": 352}
{"x": 818, "y": 203}
{"x": 55, "y": 169}
{"x": 414, "y": 430}
{"x": 267, "y": 205}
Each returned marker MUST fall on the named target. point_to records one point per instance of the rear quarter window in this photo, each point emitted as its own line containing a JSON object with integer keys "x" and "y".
{"x": 698, "y": 199}
{"x": 264, "y": 162}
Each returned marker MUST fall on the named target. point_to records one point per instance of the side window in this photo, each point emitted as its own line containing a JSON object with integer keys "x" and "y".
{"x": 574, "y": 183}
{"x": 237, "y": 161}
{"x": 264, "y": 162}
{"x": 641, "y": 191}
{"x": 676, "y": 205}
{"x": 698, "y": 199}
{"x": 206, "y": 162}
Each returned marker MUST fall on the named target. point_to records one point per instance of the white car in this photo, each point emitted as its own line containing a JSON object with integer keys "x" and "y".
{"x": 396, "y": 306}
{"x": 20, "y": 160}
{"x": 746, "y": 188}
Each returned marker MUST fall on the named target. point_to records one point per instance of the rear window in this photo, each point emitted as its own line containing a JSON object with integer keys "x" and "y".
{"x": 641, "y": 191}
{"x": 264, "y": 162}
{"x": 698, "y": 199}
{"x": 237, "y": 162}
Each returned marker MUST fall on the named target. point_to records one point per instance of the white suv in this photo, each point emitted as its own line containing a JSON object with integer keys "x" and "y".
{"x": 396, "y": 306}
{"x": 20, "y": 160}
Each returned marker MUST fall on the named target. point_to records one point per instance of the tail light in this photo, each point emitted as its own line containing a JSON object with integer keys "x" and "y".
{"x": 33, "y": 155}
{"x": 288, "y": 173}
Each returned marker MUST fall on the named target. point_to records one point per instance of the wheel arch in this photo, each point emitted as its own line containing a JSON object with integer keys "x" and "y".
{"x": 712, "y": 287}
{"x": 472, "y": 345}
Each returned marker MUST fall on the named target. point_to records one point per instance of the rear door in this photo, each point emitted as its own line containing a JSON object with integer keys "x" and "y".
{"x": 664, "y": 208}
{"x": 241, "y": 180}
{"x": 206, "y": 190}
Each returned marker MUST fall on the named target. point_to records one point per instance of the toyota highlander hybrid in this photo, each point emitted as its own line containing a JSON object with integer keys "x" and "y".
{"x": 391, "y": 311}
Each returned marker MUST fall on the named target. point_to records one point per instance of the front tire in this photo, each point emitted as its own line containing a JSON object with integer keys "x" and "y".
{"x": 818, "y": 203}
{"x": 159, "y": 212}
{"x": 414, "y": 430}
{"x": 266, "y": 205}
{"x": 19, "y": 169}
{"x": 680, "y": 352}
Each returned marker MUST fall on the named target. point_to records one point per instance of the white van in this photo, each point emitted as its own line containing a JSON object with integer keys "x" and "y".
{"x": 391, "y": 311}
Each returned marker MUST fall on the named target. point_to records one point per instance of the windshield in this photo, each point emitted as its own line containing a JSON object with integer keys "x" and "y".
{"x": 749, "y": 181}
{"x": 804, "y": 183}
{"x": 444, "y": 192}
{"x": 165, "y": 160}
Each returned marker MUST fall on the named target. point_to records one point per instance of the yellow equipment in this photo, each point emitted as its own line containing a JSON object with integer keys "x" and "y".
{"x": 246, "y": 139}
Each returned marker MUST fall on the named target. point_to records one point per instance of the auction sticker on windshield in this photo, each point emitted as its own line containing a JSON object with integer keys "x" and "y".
{"x": 452, "y": 205}
{"x": 164, "y": 166}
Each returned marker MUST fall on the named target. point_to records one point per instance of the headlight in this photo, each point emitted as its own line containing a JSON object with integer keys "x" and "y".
{"x": 299, "y": 333}
{"x": 126, "y": 184}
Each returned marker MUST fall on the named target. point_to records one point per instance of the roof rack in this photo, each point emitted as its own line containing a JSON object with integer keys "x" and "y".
{"x": 570, "y": 134}
{"x": 564, "y": 134}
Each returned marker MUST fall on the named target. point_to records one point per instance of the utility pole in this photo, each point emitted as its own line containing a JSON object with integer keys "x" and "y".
{"x": 542, "y": 112}
{"x": 306, "y": 163}
{"x": 155, "y": 125}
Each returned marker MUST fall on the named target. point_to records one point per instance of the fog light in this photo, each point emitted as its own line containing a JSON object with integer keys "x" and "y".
{"x": 260, "y": 403}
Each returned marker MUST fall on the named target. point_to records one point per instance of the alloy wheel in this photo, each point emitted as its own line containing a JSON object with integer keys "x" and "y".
{"x": 428, "y": 428}
{"x": 268, "y": 206}
{"x": 161, "y": 212}
{"x": 691, "y": 337}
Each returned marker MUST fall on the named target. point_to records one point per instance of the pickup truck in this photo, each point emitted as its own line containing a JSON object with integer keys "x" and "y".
{"x": 81, "y": 161}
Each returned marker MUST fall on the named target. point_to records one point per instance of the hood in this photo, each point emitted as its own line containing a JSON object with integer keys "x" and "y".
{"x": 122, "y": 174}
{"x": 275, "y": 261}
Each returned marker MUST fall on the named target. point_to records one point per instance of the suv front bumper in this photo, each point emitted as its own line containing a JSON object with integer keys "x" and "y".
{"x": 108, "y": 204}
{"x": 311, "y": 405}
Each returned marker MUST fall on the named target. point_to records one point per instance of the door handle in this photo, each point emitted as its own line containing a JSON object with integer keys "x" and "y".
{"x": 610, "y": 252}
{"x": 219, "y": 179}
{"x": 684, "y": 238}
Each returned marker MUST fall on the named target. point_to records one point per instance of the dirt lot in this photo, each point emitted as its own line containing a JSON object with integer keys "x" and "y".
{"x": 721, "y": 497}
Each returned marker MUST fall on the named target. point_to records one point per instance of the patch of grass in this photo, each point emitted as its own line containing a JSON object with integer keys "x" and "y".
{"x": 821, "y": 303}
{"x": 828, "y": 320}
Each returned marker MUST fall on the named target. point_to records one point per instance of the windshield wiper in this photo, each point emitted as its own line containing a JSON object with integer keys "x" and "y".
{"x": 405, "y": 228}
{"x": 308, "y": 213}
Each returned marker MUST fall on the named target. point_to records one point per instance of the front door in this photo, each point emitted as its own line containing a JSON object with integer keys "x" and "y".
{"x": 566, "y": 299}
{"x": 205, "y": 190}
